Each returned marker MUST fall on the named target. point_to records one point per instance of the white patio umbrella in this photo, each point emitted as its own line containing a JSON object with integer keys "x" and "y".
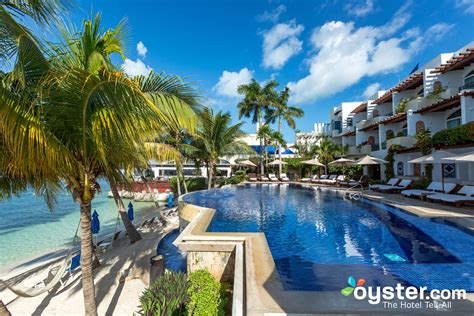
{"x": 343, "y": 162}
{"x": 436, "y": 157}
{"x": 313, "y": 162}
{"x": 369, "y": 160}
{"x": 276, "y": 163}
{"x": 247, "y": 163}
{"x": 469, "y": 157}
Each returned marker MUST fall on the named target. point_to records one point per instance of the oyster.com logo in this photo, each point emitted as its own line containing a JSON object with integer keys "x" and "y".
{"x": 352, "y": 285}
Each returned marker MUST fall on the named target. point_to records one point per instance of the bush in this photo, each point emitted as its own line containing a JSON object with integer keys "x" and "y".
{"x": 421, "y": 184}
{"x": 206, "y": 295}
{"x": 168, "y": 295}
{"x": 194, "y": 184}
{"x": 453, "y": 136}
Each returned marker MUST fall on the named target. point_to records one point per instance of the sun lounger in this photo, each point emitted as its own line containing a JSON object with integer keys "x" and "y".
{"x": 272, "y": 177}
{"x": 403, "y": 185}
{"x": 334, "y": 180}
{"x": 252, "y": 177}
{"x": 464, "y": 196}
{"x": 263, "y": 178}
{"x": 390, "y": 184}
{"x": 363, "y": 179}
{"x": 330, "y": 180}
{"x": 323, "y": 177}
{"x": 284, "y": 178}
{"x": 315, "y": 177}
{"x": 434, "y": 187}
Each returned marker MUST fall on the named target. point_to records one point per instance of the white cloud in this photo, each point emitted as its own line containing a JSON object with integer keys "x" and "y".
{"x": 229, "y": 82}
{"x": 280, "y": 43}
{"x": 466, "y": 5}
{"x": 371, "y": 89}
{"x": 272, "y": 16}
{"x": 136, "y": 68}
{"x": 360, "y": 9}
{"x": 141, "y": 49}
{"x": 344, "y": 54}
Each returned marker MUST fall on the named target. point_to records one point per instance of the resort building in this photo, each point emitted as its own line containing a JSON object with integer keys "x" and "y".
{"x": 308, "y": 139}
{"x": 438, "y": 97}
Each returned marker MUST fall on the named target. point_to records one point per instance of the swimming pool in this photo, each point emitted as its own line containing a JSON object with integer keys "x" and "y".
{"x": 319, "y": 238}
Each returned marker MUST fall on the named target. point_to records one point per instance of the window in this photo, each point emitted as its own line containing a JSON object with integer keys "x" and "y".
{"x": 375, "y": 113}
{"x": 400, "y": 168}
{"x": 420, "y": 126}
{"x": 449, "y": 170}
{"x": 454, "y": 120}
{"x": 469, "y": 79}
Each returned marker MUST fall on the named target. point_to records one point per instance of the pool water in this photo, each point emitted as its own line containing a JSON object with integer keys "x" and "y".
{"x": 175, "y": 259}
{"x": 318, "y": 238}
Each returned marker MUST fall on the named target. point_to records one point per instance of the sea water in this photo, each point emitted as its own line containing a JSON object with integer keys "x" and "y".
{"x": 28, "y": 228}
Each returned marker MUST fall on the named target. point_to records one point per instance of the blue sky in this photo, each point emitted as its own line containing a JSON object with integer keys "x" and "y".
{"x": 325, "y": 51}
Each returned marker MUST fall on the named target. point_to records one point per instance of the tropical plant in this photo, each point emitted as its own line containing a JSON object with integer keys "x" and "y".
{"x": 217, "y": 137}
{"x": 325, "y": 151}
{"x": 168, "y": 295}
{"x": 280, "y": 111}
{"x": 207, "y": 296}
{"x": 256, "y": 103}
{"x": 341, "y": 150}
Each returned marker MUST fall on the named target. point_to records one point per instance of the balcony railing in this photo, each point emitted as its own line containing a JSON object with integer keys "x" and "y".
{"x": 467, "y": 86}
{"x": 405, "y": 141}
{"x": 359, "y": 150}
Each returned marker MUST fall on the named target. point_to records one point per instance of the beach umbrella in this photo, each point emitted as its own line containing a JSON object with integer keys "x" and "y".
{"x": 276, "y": 163}
{"x": 313, "y": 162}
{"x": 469, "y": 157}
{"x": 343, "y": 162}
{"x": 436, "y": 157}
{"x": 130, "y": 211}
{"x": 95, "y": 224}
{"x": 369, "y": 160}
{"x": 170, "y": 200}
{"x": 248, "y": 163}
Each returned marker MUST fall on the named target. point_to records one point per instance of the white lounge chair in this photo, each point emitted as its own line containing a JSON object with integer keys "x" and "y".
{"x": 404, "y": 184}
{"x": 464, "y": 196}
{"x": 263, "y": 178}
{"x": 252, "y": 177}
{"x": 434, "y": 187}
{"x": 390, "y": 184}
{"x": 283, "y": 177}
{"x": 323, "y": 177}
{"x": 272, "y": 177}
{"x": 335, "y": 180}
{"x": 315, "y": 177}
{"x": 330, "y": 180}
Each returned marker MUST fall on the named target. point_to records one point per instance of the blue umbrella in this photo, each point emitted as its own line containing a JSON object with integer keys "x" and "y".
{"x": 170, "y": 200}
{"x": 95, "y": 225}
{"x": 130, "y": 211}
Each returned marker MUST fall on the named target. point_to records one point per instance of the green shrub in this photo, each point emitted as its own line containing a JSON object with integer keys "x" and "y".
{"x": 206, "y": 295}
{"x": 421, "y": 184}
{"x": 194, "y": 184}
{"x": 453, "y": 136}
{"x": 168, "y": 295}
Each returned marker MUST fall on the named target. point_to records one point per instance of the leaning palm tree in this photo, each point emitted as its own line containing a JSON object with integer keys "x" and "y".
{"x": 257, "y": 101}
{"x": 280, "y": 112}
{"x": 325, "y": 151}
{"x": 217, "y": 137}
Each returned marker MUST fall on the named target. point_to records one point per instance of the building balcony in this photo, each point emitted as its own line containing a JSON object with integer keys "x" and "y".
{"x": 467, "y": 86}
{"x": 404, "y": 141}
{"x": 359, "y": 150}
{"x": 374, "y": 120}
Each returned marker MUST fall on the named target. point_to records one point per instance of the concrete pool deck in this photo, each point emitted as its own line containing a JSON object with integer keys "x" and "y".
{"x": 263, "y": 292}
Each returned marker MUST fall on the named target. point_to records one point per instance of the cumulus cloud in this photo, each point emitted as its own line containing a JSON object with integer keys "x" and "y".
{"x": 280, "y": 43}
{"x": 272, "y": 16}
{"x": 360, "y": 9}
{"x": 229, "y": 82}
{"x": 466, "y": 5}
{"x": 136, "y": 68}
{"x": 371, "y": 89}
{"x": 344, "y": 54}
{"x": 141, "y": 49}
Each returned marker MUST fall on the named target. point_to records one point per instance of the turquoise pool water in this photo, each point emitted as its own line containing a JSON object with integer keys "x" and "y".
{"x": 319, "y": 238}
{"x": 29, "y": 229}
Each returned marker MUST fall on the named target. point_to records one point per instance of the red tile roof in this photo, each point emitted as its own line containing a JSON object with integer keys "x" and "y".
{"x": 460, "y": 61}
{"x": 360, "y": 108}
{"x": 394, "y": 118}
{"x": 446, "y": 104}
{"x": 411, "y": 82}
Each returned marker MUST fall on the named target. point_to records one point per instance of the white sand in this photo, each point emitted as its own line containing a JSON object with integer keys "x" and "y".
{"x": 118, "y": 281}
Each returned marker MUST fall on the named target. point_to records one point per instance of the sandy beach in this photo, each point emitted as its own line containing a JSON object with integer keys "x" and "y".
{"x": 120, "y": 279}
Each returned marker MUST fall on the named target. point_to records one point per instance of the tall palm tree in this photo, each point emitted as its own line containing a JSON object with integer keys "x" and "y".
{"x": 217, "y": 137}
{"x": 280, "y": 111}
{"x": 325, "y": 151}
{"x": 257, "y": 101}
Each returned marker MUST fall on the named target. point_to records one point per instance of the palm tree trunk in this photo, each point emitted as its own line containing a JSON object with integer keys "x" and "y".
{"x": 178, "y": 183}
{"x": 209, "y": 176}
{"x": 149, "y": 190}
{"x": 279, "y": 149}
{"x": 88, "y": 288}
{"x": 185, "y": 185}
{"x": 3, "y": 310}
{"x": 132, "y": 233}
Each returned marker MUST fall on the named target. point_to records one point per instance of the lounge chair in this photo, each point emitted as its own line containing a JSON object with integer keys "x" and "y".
{"x": 252, "y": 177}
{"x": 363, "y": 180}
{"x": 315, "y": 177}
{"x": 323, "y": 177}
{"x": 335, "y": 180}
{"x": 464, "y": 196}
{"x": 403, "y": 185}
{"x": 272, "y": 177}
{"x": 263, "y": 178}
{"x": 283, "y": 177}
{"x": 434, "y": 187}
{"x": 390, "y": 184}
{"x": 330, "y": 180}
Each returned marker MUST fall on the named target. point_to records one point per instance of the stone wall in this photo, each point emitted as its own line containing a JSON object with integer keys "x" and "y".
{"x": 219, "y": 263}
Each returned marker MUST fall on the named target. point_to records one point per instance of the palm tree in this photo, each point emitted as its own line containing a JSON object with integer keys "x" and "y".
{"x": 257, "y": 101}
{"x": 217, "y": 137}
{"x": 325, "y": 151}
{"x": 282, "y": 112}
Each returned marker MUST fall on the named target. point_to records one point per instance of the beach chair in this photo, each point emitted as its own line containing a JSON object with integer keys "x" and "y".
{"x": 464, "y": 196}
{"x": 434, "y": 187}
{"x": 403, "y": 185}
{"x": 252, "y": 177}
{"x": 69, "y": 272}
{"x": 323, "y": 177}
{"x": 330, "y": 180}
{"x": 284, "y": 178}
{"x": 272, "y": 177}
{"x": 390, "y": 184}
{"x": 352, "y": 182}
{"x": 315, "y": 177}
{"x": 263, "y": 178}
